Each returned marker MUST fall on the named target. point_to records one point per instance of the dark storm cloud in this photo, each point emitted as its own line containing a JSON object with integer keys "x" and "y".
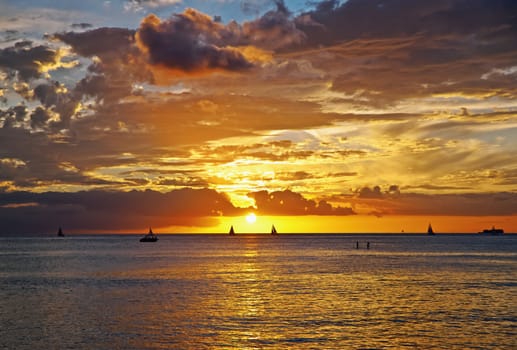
{"x": 288, "y": 202}
{"x": 25, "y": 61}
{"x": 100, "y": 210}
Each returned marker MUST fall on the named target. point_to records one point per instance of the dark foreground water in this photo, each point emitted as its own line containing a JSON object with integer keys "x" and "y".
{"x": 259, "y": 292}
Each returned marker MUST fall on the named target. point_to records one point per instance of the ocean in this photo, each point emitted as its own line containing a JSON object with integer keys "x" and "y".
{"x": 259, "y": 292}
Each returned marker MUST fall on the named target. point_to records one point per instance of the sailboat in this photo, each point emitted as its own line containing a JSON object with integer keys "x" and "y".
{"x": 430, "y": 230}
{"x": 150, "y": 237}
{"x": 273, "y": 230}
{"x": 60, "y": 233}
{"x": 232, "y": 232}
{"x": 493, "y": 231}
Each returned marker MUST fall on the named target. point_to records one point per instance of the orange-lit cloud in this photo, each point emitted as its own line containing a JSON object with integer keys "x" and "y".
{"x": 290, "y": 203}
{"x": 27, "y": 61}
{"x": 194, "y": 43}
{"x": 188, "y": 43}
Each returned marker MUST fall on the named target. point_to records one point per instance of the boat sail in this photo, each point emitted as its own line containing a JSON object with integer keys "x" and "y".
{"x": 430, "y": 230}
{"x": 232, "y": 232}
{"x": 150, "y": 237}
{"x": 60, "y": 233}
{"x": 273, "y": 230}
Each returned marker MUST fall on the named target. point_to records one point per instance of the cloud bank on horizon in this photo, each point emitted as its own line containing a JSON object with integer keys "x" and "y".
{"x": 377, "y": 107}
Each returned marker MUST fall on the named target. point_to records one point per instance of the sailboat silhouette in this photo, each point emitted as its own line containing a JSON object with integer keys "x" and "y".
{"x": 430, "y": 230}
{"x": 273, "y": 230}
{"x": 232, "y": 232}
{"x": 150, "y": 237}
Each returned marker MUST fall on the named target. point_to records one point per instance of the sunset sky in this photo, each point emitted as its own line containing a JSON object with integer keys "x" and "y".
{"x": 333, "y": 116}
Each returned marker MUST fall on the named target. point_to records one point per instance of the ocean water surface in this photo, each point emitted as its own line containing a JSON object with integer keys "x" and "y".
{"x": 259, "y": 292}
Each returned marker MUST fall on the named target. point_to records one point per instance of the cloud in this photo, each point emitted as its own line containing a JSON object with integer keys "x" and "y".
{"x": 39, "y": 118}
{"x": 141, "y": 5}
{"x": 253, "y": 7}
{"x": 190, "y": 42}
{"x": 392, "y": 201}
{"x": 274, "y": 30}
{"x": 103, "y": 42}
{"x": 367, "y": 192}
{"x": 27, "y": 62}
{"x": 294, "y": 176}
{"x": 281, "y": 150}
{"x": 81, "y": 25}
{"x": 117, "y": 63}
{"x": 44, "y": 161}
{"x": 13, "y": 115}
{"x": 441, "y": 47}
{"x": 466, "y": 204}
{"x": 193, "y": 42}
{"x": 288, "y": 202}
{"x": 103, "y": 211}
{"x": 57, "y": 107}
{"x": 60, "y": 105}
{"x": 355, "y": 19}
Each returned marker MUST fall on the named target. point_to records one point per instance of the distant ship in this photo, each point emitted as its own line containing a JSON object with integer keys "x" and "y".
{"x": 60, "y": 233}
{"x": 430, "y": 230}
{"x": 273, "y": 230}
{"x": 150, "y": 237}
{"x": 232, "y": 232}
{"x": 493, "y": 231}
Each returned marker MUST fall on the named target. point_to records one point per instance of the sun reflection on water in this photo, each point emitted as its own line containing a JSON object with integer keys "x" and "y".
{"x": 264, "y": 292}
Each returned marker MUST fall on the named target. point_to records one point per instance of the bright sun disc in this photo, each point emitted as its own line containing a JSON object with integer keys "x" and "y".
{"x": 251, "y": 218}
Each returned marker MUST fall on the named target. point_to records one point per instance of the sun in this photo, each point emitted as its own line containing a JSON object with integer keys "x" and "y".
{"x": 251, "y": 218}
